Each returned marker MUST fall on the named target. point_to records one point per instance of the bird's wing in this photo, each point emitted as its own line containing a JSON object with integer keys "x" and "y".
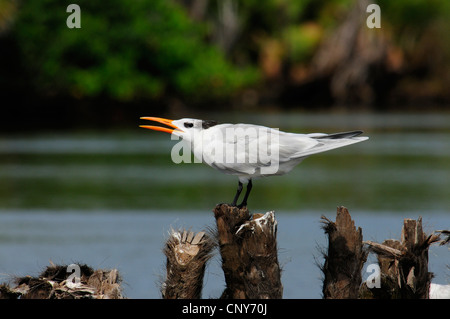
{"x": 294, "y": 145}
{"x": 245, "y": 149}
{"x": 238, "y": 148}
{"x": 319, "y": 142}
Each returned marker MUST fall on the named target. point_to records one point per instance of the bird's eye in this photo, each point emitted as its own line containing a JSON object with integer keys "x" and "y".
{"x": 188, "y": 125}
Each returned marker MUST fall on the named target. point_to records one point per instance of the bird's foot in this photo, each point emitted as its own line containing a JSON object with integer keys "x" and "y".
{"x": 242, "y": 205}
{"x": 229, "y": 204}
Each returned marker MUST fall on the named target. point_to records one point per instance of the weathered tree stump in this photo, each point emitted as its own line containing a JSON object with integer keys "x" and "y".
{"x": 404, "y": 265}
{"x": 55, "y": 282}
{"x": 187, "y": 254}
{"x": 344, "y": 259}
{"x": 249, "y": 253}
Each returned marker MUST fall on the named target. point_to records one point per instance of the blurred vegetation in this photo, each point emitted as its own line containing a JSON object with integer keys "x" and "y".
{"x": 124, "y": 50}
{"x": 228, "y": 52}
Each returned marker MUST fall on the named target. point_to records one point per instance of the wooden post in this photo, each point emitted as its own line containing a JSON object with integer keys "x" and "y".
{"x": 344, "y": 259}
{"x": 187, "y": 254}
{"x": 404, "y": 265}
{"x": 249, "y": 253}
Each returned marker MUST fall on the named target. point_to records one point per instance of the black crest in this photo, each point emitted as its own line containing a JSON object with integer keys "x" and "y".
{"x": 208, "y": 123}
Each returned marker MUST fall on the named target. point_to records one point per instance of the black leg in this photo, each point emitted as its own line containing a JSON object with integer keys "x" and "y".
{"x": 247, "y": 192}
{"x": 238, "y": 192}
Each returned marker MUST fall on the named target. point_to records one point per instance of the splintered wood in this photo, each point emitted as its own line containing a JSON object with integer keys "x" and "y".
{"x": 344, "y": 259}
{"x": 404, "y": 264}
{"x": 187, "y": 254}
{"x": 249, "y": 253}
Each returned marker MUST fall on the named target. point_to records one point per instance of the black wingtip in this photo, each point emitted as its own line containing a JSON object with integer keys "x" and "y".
{"x": 336, "y": 136}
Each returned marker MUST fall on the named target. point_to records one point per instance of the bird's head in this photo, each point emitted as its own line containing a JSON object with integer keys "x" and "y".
{"x": 185, "y": 128}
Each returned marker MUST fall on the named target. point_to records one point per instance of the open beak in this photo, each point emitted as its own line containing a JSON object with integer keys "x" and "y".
{"x": 159, "y": 128}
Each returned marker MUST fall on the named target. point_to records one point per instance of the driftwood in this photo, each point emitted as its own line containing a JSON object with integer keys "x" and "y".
{"x": 344, "y": 259}
{"x": 55, "y": 282}
{"x": 187, "y": 254}
{"x": 403, "y": 265}
{"x": 249, "y": 253}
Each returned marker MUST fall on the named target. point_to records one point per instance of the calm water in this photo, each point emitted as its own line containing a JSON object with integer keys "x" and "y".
{"x": 108, "y": 199}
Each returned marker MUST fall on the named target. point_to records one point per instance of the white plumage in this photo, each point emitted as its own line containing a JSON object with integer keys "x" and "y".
{"x": 438, "y": 291}
{"x": 251, "y": 151}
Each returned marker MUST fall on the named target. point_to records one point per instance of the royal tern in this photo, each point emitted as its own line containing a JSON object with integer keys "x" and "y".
{"x": 247, "y": 150}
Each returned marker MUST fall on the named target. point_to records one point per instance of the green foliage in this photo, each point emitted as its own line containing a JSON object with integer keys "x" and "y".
{"x": 147, "y": 49}
{"x": 412, "y": 14}
{"x": 421, "y": 29}
{"x": 301, "y": 41}
{"x": 124, "y": 50}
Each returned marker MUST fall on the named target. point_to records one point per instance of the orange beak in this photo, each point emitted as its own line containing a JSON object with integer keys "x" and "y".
{"x": 159, "y": 128}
